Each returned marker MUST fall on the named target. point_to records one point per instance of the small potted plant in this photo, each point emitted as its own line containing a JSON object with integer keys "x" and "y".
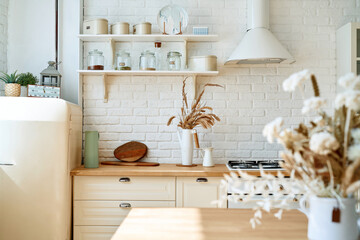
{"x": 12, "y": 88}
{"x": 26, "y": 79}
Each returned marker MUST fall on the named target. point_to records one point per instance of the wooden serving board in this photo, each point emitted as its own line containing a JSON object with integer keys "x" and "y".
{"x": 118, "y": 163}
{"x": 131, "y": 151}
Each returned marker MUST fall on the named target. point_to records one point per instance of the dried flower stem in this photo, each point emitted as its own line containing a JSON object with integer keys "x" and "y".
{"x": 346, "y": 135}
{"x": 315, "y": 86}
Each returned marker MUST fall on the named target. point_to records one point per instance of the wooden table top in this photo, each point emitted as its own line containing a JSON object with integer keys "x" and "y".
{"x": 208, "y": 224}
{"x": 164, "y": 170}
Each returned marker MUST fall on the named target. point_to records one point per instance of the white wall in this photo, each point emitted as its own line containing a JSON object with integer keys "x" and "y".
{"x": 31, "y": 38}
{"x": 139, "y": 107}
{"x": 69, "y": 25}
{"x": 3, "y": 38}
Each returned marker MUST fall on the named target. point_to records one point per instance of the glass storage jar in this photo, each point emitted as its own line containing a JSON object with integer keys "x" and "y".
{"x": 174, "y": 61}
{"x": 147, "y": 61}
{"x": 123, "y": 61}
{"x": 95, "y": 60}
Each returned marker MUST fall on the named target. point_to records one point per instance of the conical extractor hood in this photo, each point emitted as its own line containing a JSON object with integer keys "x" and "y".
{"x": 259, "y": 45}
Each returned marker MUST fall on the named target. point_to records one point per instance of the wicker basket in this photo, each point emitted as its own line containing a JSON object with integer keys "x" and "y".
{"x": 12, "y": 89}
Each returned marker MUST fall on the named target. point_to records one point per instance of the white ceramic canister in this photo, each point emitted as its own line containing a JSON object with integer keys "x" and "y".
{"x": 95, "y": 26}
{"x": 120, "y": 28}
{"x": 142, "y": 28}
{"x": 203, "y": 63}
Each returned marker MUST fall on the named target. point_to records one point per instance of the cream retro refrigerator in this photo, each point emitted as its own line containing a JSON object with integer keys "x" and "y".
{"x": 40, "y": 142}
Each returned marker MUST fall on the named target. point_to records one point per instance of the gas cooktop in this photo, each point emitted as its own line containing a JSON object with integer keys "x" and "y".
{"x": 254, "y": 165}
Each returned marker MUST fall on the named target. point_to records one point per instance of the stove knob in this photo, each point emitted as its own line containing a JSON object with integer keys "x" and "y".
{"x": 281, "y": 187}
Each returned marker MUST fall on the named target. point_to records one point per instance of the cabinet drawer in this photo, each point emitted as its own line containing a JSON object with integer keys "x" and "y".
{"x": 124, "y": 188}
{"x": 199, "y": 192}
{"x": 94, "y": 233}
{"x": 109, "y": 212}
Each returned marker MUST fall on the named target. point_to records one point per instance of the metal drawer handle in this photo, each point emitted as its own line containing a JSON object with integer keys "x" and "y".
{"x": 124, "y": 179}
{"x": 125, "y": 205}
{"x": 201, "y": 180}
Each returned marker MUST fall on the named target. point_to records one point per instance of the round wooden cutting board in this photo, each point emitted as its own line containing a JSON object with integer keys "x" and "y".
{"x": 131, "y": 151}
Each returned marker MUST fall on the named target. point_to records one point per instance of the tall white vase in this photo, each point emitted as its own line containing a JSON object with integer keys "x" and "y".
{"x": 187, "y": 146}
{"x": 320, "y": 216}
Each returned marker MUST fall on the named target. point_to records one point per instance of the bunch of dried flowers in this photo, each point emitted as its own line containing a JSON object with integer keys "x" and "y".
{"x": 322, "y": 157}
{"x": 196, "y": 113}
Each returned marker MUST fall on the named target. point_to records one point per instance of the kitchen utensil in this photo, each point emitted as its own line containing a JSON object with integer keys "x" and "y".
{"x": 174, "y": 61}
{"x": 207, "y": 157}
{"x": 118, "y": 163}
{"x": 172, "y": 19}
{"x": 203, "y": 63}
{"x": 120, "y": 28}
{"x": 123, "y": 61}
{"x": 95, "y": 26}
{"x": 91, "y": 159}
{"x": 142, "y": 28}
{"x": 147, "y": 61}
{"x": 95, "y": 60}
{"x": 131, "y": 151}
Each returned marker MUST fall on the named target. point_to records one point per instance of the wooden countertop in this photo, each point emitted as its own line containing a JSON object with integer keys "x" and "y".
{"x": 208, "y": 224}
{"x": 164, "y": 170}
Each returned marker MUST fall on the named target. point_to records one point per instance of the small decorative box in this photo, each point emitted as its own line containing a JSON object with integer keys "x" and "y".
{"x": 200, "y": 30}
{"x": 43, "y": 91}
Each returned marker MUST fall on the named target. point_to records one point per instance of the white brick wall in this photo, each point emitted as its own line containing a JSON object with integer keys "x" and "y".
{"x": 139, "y": 107}
{"x": 4, "y": 4}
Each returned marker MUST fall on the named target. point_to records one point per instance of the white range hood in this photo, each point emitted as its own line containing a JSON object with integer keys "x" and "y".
{"x": 259, "y": 45}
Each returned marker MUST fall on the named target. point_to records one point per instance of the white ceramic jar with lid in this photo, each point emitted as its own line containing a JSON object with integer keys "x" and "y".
{"x": 120, "y": 28}
{"x": 142, "y": 28}
{"x": 95, "y": 26}
{"x": 203, "y": 63}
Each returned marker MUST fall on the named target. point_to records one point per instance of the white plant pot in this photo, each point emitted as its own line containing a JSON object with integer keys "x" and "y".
{"x": 320, "y": 216}
{"x": 24, "y": 91}
{"x": 187, "y": 146}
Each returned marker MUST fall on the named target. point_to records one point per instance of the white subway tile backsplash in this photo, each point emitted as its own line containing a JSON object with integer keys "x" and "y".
{"x": 139, "y": 106}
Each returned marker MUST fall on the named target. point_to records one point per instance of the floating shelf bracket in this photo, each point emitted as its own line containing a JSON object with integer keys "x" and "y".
{"x": 193, "y": 86}
{"x": 185, "y": 53}
{"x": 105, "y": 91}
{"x": 112, "y": 50}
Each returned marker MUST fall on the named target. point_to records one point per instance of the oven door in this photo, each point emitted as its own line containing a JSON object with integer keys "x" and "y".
{"x": 241, "y": 203}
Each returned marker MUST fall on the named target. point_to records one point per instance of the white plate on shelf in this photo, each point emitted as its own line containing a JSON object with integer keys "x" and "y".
{"x": 173, "y": 16}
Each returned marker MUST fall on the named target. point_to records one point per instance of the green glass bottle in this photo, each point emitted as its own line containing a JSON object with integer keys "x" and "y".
{"x": 91, "y": 159}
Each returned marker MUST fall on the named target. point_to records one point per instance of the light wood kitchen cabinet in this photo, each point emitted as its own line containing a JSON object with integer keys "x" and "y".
{"x": 103, "y": 197}
{"x": 124, "y": 188}
{"x": 109, "y": 213}
{"x": 199, "y": 192}
{"x": 94, "y": 232}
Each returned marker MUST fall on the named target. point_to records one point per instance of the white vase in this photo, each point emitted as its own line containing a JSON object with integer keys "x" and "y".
{"x": 320, "y": 217}
{"x": 187, "y": 146}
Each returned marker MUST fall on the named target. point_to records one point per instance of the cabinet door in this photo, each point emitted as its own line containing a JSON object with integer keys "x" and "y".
{"x": 109, "y": 213}
{"x": 94, "y": 232}
{"x": 199, "y": 192}
{"x": 124, "y": 188}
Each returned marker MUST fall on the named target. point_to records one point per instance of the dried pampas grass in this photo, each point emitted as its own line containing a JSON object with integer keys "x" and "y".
{"x": 196, "y": 114}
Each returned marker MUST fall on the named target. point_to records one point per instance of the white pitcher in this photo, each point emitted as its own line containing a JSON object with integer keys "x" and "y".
{"x": 187, "y": 146}
{"x": 320, "y": 216}
{"x": 207, "y": 157}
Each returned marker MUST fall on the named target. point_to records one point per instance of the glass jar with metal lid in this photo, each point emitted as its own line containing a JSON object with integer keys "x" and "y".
{"x": 123, "y": 61}
{"x": 174, "y": 61}
{"x": 147, "y": 61}
{"x": 95, "y": 60}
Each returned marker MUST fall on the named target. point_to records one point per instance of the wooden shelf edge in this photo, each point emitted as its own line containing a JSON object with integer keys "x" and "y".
{"x": 145, "y": 73}
{"x": 148, "y": 38}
